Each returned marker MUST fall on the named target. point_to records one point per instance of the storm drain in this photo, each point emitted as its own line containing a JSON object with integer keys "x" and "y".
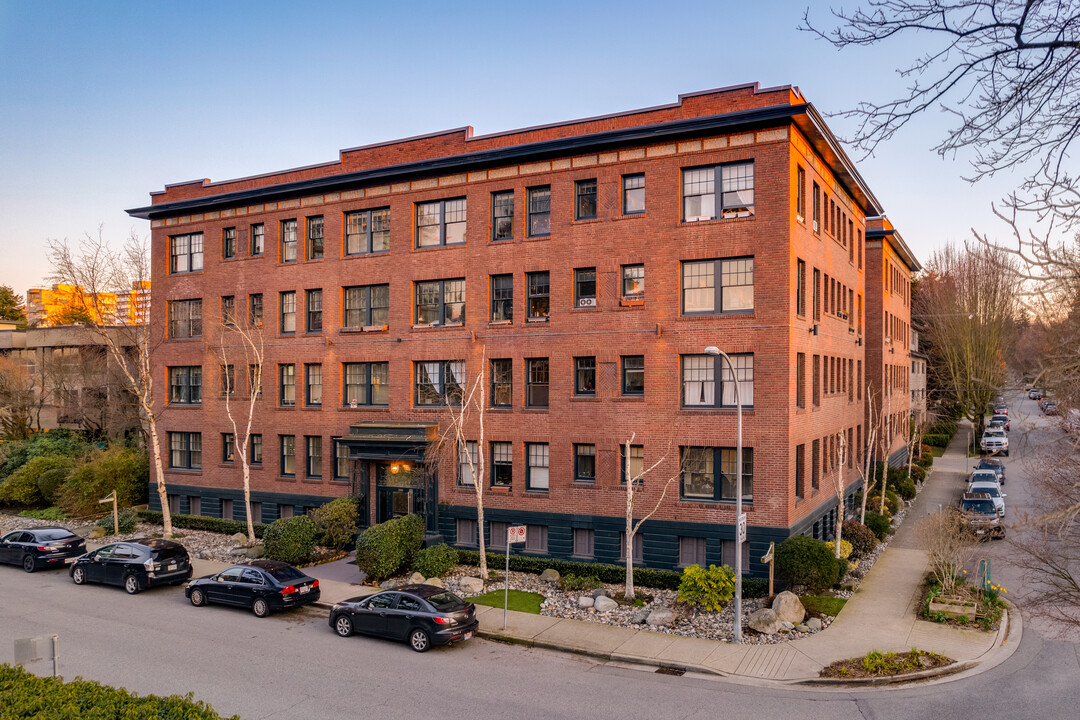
{"x": 670, "y": 671}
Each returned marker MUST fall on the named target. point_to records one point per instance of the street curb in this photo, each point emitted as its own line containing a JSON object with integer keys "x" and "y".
{"x": 944, "y": 671}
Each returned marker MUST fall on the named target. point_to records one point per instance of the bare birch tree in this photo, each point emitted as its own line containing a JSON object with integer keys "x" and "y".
{"x": 240, "y": 339}
{"x": 869, "y": 479}
{"x": 634, "y": 483}
{"x": 841, "y": 458}
{"x": 98, "y": 269}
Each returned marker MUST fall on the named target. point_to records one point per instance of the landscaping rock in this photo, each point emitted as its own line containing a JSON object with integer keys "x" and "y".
{"x": 601, "y": 592}
{"x": 239, "y": 539}
{"x": 255, "y": 552}
{"x": 97, "y": 532}
{"x": 204, "y": 555}
{"x": 604, "y": 604}
{"x": 471, "y": 585}
{"x": 549, "y": 575}
{"x": 660, "y": 617}
{"x": 387, "y": 584}
{"x": 764, "y": 621}
{"x": 139, "y": 536}
{"x": 785, "y": 626}
{"x": 640, "y": 616}
{"x": 789, "y": 608}
{"x": 585, "y": 601}
{"x": 802, "y": 628}
{"x": 417, "y": 579}
{"x": 814, "y": 624}
{"x": 238, "y": 552}
{"x": 434, "y": 581}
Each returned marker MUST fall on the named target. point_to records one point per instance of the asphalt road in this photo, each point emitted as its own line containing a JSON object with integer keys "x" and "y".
{"x": 293, "y": 666}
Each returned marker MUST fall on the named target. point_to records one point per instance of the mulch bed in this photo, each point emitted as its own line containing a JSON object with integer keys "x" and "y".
{"x": 885, "y": 665}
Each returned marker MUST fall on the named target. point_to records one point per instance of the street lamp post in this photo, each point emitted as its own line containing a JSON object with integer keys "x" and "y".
{"x": 740, "y": 519}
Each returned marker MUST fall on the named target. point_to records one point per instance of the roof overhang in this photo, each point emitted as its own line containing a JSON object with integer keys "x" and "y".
{"x": 897, "y": 242}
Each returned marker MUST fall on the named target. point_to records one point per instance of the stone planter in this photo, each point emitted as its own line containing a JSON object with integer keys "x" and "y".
{"x": 954, "y": 607}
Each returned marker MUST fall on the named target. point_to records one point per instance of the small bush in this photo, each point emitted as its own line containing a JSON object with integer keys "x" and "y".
{"x": 27, "y": 696}
{"x": 862, "y": 539}
{"x": 802, "y": 560}
{"x": 918, "y": 473}
{"x": 123, "y": 469}
{"x": 878, "y": 524}
{"x": 291, "y": 540}
{"x": 127, "y": 519}
{"x": 435, "y": 561}
{"x": 643, "y": 577}
{"x": 906, "y": 489}
{"x": 20, "y": 487}
{"x": 49, "y": 513}
{"x": 202, "y": 522}
{"x": 938, "y": 441}
{"x": 337, "y": 522}
{"x": 384, "y": 549}
{"x": 754, "y": 587}
{"x": 574, "y": 583}
{"x": 845, "y": 548}
{"x": 708, "y": 589}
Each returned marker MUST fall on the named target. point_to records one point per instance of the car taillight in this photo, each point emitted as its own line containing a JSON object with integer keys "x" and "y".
{"x": 149, "y": 564}
{"x": 443, "y": 620}
{"x": 315, "y": 584}
{"x": 288, "y": 590}
{"x": 43, "y": 548}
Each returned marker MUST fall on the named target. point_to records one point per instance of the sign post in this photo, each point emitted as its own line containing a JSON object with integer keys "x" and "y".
{"x": 768, "y": 558}
{"x": 45, "y": 647}
{"x": 115, "y": 513}
{"x": 514, "y": 534}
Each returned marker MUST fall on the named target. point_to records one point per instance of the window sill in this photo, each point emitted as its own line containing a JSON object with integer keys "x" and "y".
{"x": 229, "y": 464}
{"x": 717, "y": 410}
{"x": 630, "y": 216}
{"x": 438, "y": 327}
{"x": 588, "y": 308}
{"x": 340, "y": 481}
{"x": 705, "y": 503}
{"x": 312, "y": 407}
{"x": 584, "y": 398}
{"x": 629, "y": 398}
{"x": 185, "y": 406}
{"x": 536, "y": 410}
{"x": 500, "y": 323}
{"x": 185, "y": 471}
{"x": 538, "y": 320}
{"x": 352, "y": 256}
{"x": 365, "y": 329}
{"x": 286, "y": 478}
{"x": 584, "y": 484}
{"x": 350, "y": 408}
{"x": 443, "y": 246}
{"x": 749, "y": 314}
{"x": 631, "y": 303}
{"x": 586, "y": 221}
{"x": 500, "y": 489}
{"x": 530, "y": 238}
{"x": 286, "y": 407}
{"x": 501, "y": 409}
{"x": 536, "y": 493}
{"x": 713, "y": 221}
{"x": 313, "y": 480}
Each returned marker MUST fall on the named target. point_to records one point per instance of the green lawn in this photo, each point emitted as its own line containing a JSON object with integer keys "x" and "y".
{"x": 938, "y": 452}
{"x": 823, "y": 605}
{"x": 520, "y": 600}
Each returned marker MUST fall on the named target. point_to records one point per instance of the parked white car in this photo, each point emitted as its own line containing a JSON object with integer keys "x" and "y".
{"x": 984, "y": 476}
{"x": 994, "y": 491}
{"x": 994, "y": 440}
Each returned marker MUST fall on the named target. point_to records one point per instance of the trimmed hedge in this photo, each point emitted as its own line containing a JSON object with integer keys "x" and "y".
{"x": 24, "y": 695}
{"x": 384, "y": 549}
{"x": 337, "y": 522}
{"x": 202, "y": 522}
{"x": 802, "y": 560}
{"x": 906, "y": 488}
{"x": 435, "y": 561}
{"x": 935, "y": 440}
{"x": 862, "y": 539}
{"x": 126, "y": 519}
{"x": 878, "y": 524}
{"x": 291, "y": 539}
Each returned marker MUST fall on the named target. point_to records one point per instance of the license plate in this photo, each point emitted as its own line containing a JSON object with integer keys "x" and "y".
{"x": 980, "y": 532}
{"x": 172, "y": 567}
{"x": 304, "y": 589}
{"x": 68, "y": 561}
{"x": 468, "y": 636}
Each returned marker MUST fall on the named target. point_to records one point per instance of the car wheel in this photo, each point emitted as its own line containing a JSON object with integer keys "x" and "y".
{"x": 419, "y": 640}
{"x": 260, "y": 607}
{"x": 343, "y": 626}
{"x": 1006, "y": 453}
{"x": 197, "y": 598}
{"x": 78, "y": 575}
{"x": 28, "y": 563}
{"x": 131, "y": 584}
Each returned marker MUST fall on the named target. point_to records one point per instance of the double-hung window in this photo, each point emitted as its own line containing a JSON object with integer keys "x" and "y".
{"x": 585, "y": 287}
{"x": 367, "y": 231}
{"x": 584, "y": 542}
{"x": 735, "y": 198}
{"x": 315, "y": 238}
{"x": 185, "y": 450}
{"x": 702, "y": 373}
{"x": 468, "y": 459}
{"x": 502, "y": 298}
{"x": 502, "y": 464}
{"x": 255, "y": 309}
{"x": 634, "y": 467}
{"x": 800, "y": 380}
{"x": 287, "y": 385}
{"x": 633, "y": 375}
{"x": 257, "y": 239}
{"x": 441, "y": 222}
{"x": 256, "y": 452}
{"x": 186, "y": 253}
{"x": 699, "y": 476}
{"x": 800, "y": 195}
{"x": 633, "y": 194}
{"x": 365, "y": 384}
{"x": 633, "y": 282}
{"x": 185, "y": 318}
{"x": 228, "y": 310}
{"x": 341, "y": 461}
{"x": 440, "y": 302}
{"x": 538, "y": 295}
{"x": 288, "y": 454}
{"x": 536, "y": 470}
{"x": 539, "y": 210}
{"x": 367, "y": 306}
{"x": 185, "y": 385}
{"x": 228, "y": 447}
{"x": 585, "y": 376}
{"x": 313, "y": 308}
{"x": 502, "y": 215}
{"x": 502, "y": 383}
{"x": 288, "y": 241}
{"x": 287, "y": 306}
{"x": 711, "y": 287}
{"x": 314, "y": 456}
{"x": 800, "y": 287}
{"x": 536, "y": 382}
{"x": 439, "y": 382}
{"x": 585, "y": 199}
{"x": 228, "y": 380}
{"x": 313, "y": 385}
{"x": 585, "y": 463}
{"x": 228, "y": 243}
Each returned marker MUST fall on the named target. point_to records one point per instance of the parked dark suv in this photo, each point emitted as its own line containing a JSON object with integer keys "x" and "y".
{"x": 264, "y": 586}
{"x": 992, "y": 464}
{"x": 424, "y": 615}
{"x": 35, "y": 548}
{"x": 134, "y": 565}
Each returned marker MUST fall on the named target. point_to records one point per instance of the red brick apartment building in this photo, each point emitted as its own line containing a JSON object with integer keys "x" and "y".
{"x": 585, "y": 266}
{"x": 889, "y": 265}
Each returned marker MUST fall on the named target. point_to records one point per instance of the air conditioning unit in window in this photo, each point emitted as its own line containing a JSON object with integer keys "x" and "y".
{"x": 815, "y": 226}
{"x": 586, "y": 302}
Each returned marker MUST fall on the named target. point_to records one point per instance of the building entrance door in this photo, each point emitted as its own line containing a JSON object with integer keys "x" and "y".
{"x": 397, "y": 494}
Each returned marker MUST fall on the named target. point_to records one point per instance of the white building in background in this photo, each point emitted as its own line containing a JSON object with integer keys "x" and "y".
{"x": 918, "y": 379}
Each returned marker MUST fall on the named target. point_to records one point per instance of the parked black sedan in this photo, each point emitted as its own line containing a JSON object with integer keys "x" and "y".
{"x": 424, "y": 615}
{"x": 35, "y": 548}
{"x": 264, "y": 586}
{"x": 134, "y": 565}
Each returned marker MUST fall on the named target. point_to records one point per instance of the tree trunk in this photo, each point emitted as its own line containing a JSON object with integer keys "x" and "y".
{"x": 163, "y": 493}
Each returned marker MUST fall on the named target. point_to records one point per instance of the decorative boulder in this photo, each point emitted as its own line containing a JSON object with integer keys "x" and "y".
{"x": 434, "y": 581}
{"x": 601, "y": 592}
{"x": 471, "y": 585}
{"x": 604, "y": 604}
{"x": 785, "y": 626}
{"x": 255, "y": 552}
{"x": 802, "y": 629}
{"x": 239, "y": 539}
{"x": 660, "y": 617}
{"x": 585, "y": 601}
{"x": 97, "y": 532}
{"x": 387, "y": 584}
{"x": 416, "y": 579}
{"x": 789, "y": 608}
{"x": 549, "y": 575}
{"x": 238, "y": 552}
{"x": 639, "y": 617}
{"x": 814, "y": 624}
{"x": 764, "y": 621}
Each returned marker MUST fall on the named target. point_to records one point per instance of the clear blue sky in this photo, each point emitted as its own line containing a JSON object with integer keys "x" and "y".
{"x": 104, "y": 102}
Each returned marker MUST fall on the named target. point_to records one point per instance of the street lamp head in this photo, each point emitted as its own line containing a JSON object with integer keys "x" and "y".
{"x": 712, "y": 350}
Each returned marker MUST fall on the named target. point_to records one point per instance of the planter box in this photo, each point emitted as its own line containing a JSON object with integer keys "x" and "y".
{"x": 954, "y": 607}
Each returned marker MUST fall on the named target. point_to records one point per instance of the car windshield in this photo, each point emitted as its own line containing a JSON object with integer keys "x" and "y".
{"x": 991, "y": 490}
{"x": 980, "y": 506}
{"x": 995, "y": 433}
{"x": 285, "y": 573}
{"x": 58, "y": 534}
{"x": 445, "y": 601}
